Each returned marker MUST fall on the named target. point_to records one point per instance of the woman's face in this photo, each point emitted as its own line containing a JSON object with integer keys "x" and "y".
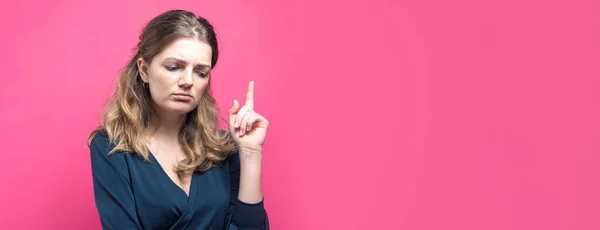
{"x": 178, "y": 76}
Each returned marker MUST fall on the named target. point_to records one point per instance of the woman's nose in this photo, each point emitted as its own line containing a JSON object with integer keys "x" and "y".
{"x": 187, "y": 79}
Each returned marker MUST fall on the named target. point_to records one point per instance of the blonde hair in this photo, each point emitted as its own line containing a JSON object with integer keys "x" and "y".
{"x": 130, "y": 115}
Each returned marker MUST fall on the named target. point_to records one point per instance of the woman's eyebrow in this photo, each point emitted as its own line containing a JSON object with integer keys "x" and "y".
{"x": 183, "y": 61}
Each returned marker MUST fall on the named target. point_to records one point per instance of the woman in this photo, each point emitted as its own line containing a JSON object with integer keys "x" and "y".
{"x": 159, "y": 159}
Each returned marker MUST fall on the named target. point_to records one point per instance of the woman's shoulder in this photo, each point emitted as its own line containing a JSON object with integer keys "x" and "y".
{"x": 103, "y": 159}
{"x": 98, "y": 138}
{"x": 100, "y": 143}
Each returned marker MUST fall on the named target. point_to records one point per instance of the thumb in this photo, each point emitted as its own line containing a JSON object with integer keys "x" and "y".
{"x": 234, "y": 110}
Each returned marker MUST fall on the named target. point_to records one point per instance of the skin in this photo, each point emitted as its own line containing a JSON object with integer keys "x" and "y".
{"x": 177, "y": 78}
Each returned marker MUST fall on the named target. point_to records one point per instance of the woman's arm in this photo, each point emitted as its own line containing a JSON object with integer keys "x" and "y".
{"x": 250, "y": 177}
{"x": 245, "y": 215}
{"x": 249, "y": 131}
{"x": 112, "y": 188}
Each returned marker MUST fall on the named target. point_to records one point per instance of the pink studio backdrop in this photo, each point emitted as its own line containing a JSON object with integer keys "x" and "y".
{"x": 422, "y": 114}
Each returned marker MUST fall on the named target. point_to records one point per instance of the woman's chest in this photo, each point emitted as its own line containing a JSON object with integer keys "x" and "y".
{"x": 159, "y": 199}
{"x": 168, "y": 164}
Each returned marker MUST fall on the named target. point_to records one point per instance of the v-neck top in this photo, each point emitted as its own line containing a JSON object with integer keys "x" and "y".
{"x": 131, "y": 193}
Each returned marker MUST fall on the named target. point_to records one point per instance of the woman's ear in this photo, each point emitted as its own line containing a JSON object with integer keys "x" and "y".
{"x": 143, "y": 69}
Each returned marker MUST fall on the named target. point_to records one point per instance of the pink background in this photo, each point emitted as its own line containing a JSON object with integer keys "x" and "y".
{"x": 421, "y": 114}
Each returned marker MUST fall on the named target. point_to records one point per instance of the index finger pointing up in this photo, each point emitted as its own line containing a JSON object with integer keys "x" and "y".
{"x": 250, "y": 96}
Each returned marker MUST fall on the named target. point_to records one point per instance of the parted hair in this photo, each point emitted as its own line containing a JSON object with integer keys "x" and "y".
{"x": 129, "y": 114}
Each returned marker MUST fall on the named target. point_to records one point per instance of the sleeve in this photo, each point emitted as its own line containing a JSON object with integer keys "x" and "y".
{"x": 243, "y": 216}
{"x": 112, "y": 188}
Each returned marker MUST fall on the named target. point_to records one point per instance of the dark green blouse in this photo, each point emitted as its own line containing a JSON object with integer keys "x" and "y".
{"x": 131, "y": 193}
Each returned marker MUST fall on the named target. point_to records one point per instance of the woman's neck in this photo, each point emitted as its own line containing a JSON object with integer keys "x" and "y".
{"x": 168, "y": 126}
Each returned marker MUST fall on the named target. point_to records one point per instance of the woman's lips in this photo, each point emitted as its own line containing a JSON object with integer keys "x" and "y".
{"x": 182, "y": 97}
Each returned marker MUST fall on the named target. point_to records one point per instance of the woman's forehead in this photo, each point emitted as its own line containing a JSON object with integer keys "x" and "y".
{"x": 188, "y": 50}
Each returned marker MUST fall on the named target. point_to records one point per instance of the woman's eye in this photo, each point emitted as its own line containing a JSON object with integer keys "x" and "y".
{"x": 202, "y": 74}
{"x": 171, "y": 68}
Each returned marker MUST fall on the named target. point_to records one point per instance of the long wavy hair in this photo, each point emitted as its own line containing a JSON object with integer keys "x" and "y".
{"x": 130, "y": 115}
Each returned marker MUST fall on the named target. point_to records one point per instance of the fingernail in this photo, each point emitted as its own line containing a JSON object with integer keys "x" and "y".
{"x": 236, "y": 125}
{"x": 241, "y": 132}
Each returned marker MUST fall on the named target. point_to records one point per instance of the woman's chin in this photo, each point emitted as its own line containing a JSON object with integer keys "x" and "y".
{"x": 180, "y": 109}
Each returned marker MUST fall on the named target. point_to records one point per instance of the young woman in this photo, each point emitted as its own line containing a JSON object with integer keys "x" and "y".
{"x": 159, "y": 159}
